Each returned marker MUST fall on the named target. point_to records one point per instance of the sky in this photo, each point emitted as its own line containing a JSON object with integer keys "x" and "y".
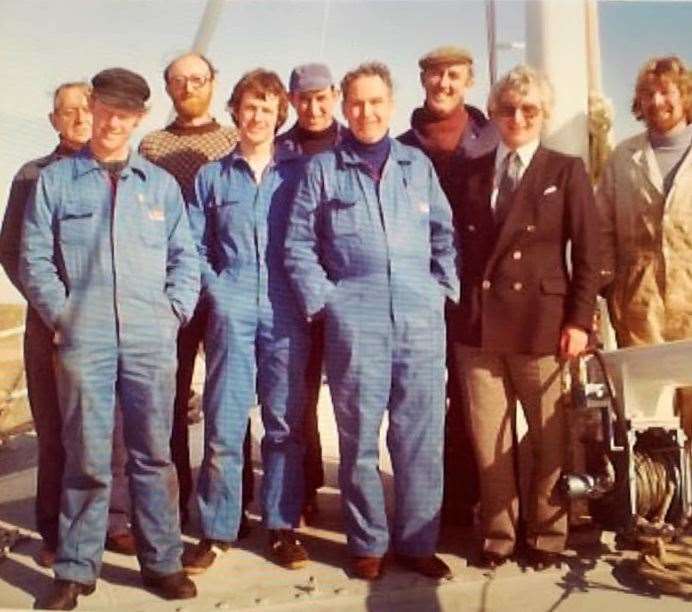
{"x": 44, "y": 43}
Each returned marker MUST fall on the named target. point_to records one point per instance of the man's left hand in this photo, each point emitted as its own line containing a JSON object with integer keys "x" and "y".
{"x": 573, "y": 341}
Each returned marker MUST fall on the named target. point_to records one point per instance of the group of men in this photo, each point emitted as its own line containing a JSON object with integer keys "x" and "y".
{"x": 336, "y": 246}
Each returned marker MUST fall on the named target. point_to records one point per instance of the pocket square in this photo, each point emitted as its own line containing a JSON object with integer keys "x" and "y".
{"x": 549, "y": 190}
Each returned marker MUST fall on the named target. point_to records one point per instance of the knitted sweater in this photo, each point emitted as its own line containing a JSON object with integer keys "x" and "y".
{"x": 182, "y": 151}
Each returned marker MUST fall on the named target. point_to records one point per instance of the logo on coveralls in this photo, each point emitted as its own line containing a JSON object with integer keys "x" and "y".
{"x": 154, "y": 212}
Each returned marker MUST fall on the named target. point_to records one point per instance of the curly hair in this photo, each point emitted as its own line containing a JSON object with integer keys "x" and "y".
{"x": 669, "y": 68}
{"x": 520, "y": 79}
{"x": 261, "y": 83}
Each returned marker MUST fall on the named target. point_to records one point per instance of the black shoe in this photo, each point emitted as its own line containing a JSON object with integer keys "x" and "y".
{"x": 543, "y": 559}
{"x": 63, "y": 595}
{"x": 492, "y": 560}
{"x": 170, "y": 586}
{"x": 244, "y": 528}
{"x": 431, "y": 566}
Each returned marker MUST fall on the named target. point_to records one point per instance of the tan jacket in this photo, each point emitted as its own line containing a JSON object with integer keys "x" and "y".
{"x": 647, "y": 245}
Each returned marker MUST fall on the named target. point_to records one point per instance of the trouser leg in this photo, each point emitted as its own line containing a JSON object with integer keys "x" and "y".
{"x": 146, "y": 387}
{"x": 43, "y": 400}
{"x": 537, "y": 384}
{"x": 312, "y": 463}
{"x": 248, "y": 478}
{"x": 229, "y": 391}
{"x": 189, "y": 339}
{"x": 86, "y": 386}
{"x": 460, "y": 469}
{"x": 282, "y": 352}
{"x": 415, "y": 437}
{"x": 119, "y": 508}
{"x": 359, "y": 374}
{"x": 491, "y": 404}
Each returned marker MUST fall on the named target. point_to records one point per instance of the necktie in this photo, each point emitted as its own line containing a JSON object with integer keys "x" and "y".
{"x": 511, "y": 169}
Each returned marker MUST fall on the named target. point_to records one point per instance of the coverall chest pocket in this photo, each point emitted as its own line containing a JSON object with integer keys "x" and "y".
{"x": 342, "y": 217}
{"x": 76, "y": 223}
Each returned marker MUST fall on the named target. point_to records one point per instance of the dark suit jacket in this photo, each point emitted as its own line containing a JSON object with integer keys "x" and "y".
{"x": 518, "y": 288}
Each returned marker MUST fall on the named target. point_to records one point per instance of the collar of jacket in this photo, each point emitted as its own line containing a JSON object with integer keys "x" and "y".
{"x": 398, "y": 153}
{"x": 290, "y": 142}
{"x": 84, "y": 162}
{"x": 279, "y": 156}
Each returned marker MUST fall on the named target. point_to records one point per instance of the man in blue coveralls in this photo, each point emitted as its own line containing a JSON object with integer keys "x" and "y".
{"x": 370, "y": 248}
{"x": 108, "y": 262}
{"x": 256, "y": 339}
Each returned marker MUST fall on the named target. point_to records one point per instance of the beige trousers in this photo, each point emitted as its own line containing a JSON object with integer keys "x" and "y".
{"x": 494, "y": 383}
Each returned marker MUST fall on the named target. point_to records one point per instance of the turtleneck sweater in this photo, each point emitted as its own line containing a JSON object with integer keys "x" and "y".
{"x": 374, "y": 154}
{"x": 670, "y": 150}
{"x": 316, "y": 142}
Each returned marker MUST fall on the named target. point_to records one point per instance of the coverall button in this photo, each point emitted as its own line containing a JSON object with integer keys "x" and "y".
{"x": 485, "y": 284}
{"x": 517, "y": 286}
{"x": 516, "y": 255}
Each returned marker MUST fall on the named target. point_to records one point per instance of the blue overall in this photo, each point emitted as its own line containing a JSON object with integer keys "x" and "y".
{"x": 256, "y": 340}
{"x": 376, "y": 259}
{"x": 113, "y": 271}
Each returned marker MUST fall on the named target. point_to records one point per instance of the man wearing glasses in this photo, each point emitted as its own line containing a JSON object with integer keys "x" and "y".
{"x": 522, "y": 312}
{"x": 182, "y": 148}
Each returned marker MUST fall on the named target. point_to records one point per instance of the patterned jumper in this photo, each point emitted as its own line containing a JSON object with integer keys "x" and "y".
{"x": 183, "y": 150}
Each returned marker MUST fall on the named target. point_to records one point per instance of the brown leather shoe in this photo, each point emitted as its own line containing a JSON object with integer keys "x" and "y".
{"x": 63, "y": 595}
{"x": 170, "y": 586}
{"x": 431, "y": 566}
{"x": 491, "y": 560}
{"x": 543, "y": 559}
{"x": 367, "y": 568}
{"x": 45, "y": 557}
{"x": 286, "y": 549}
{"x": 122, "y": 543}
{"x": 200, "y": 557}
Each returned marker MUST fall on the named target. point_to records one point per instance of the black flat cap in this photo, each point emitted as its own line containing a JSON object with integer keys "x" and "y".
{"x": 121, "y": 88}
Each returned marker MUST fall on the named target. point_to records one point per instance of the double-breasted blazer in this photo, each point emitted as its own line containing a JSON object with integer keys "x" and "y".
{"x": 521, "y": 284}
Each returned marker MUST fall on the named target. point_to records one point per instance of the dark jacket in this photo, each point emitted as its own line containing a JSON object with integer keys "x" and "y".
{"x": 20, "y": 191}
{"x": 289, "y": 139}
{"x": 518, "y": 290}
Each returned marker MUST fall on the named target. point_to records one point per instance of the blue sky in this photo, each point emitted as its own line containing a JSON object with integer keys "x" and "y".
{"x": 44, "y": 43}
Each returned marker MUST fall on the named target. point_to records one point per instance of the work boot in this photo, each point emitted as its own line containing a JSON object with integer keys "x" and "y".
{"x": 200, "y": 557}
{"x": 45, "y": 557}
{"x": 170, "y": 586}
{"x": 122, "y": 543}
{"x": 431, "y": 566}
{"x": 63, "y": 595}
{"x": 367, "y": 568}
{"x": 286, "y": 549}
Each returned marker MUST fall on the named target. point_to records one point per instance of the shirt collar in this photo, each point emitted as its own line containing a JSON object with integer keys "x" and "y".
{"x": 84, "y": 162}
{"x": 525, "y": 153}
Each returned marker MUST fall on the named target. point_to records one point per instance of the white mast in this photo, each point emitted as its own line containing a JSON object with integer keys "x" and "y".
{"x": 556, "y": 45}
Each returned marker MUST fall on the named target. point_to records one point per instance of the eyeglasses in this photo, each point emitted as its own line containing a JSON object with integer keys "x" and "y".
{"x": 530, "y": 111}
{"x": 195, "y": 80}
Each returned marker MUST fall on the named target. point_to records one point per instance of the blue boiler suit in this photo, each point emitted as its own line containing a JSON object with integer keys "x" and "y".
{"x": 256, "y": 339}
{"x": 113, "y": 271}
{"x": 376, "y": 259}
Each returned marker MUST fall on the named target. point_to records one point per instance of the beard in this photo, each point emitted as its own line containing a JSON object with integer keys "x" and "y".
{"x": 193, "y": 106}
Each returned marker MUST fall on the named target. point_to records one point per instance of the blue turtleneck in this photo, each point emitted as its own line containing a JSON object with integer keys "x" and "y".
{"x": 374, "y": 154}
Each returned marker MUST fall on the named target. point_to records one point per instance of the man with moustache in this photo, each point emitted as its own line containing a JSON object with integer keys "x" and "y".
{"x": 71, "y": 119}
{"x": 450, "y": 132}
{"x": 256, "y": 341}
{"x": 525, "y": 308}
{"x": 313, "y": 96}
{"x": 370, "y": 249}
{"x": 108, "y": 263}
{"x": 182, "y": 148}
{"x": 645, "y": 200}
